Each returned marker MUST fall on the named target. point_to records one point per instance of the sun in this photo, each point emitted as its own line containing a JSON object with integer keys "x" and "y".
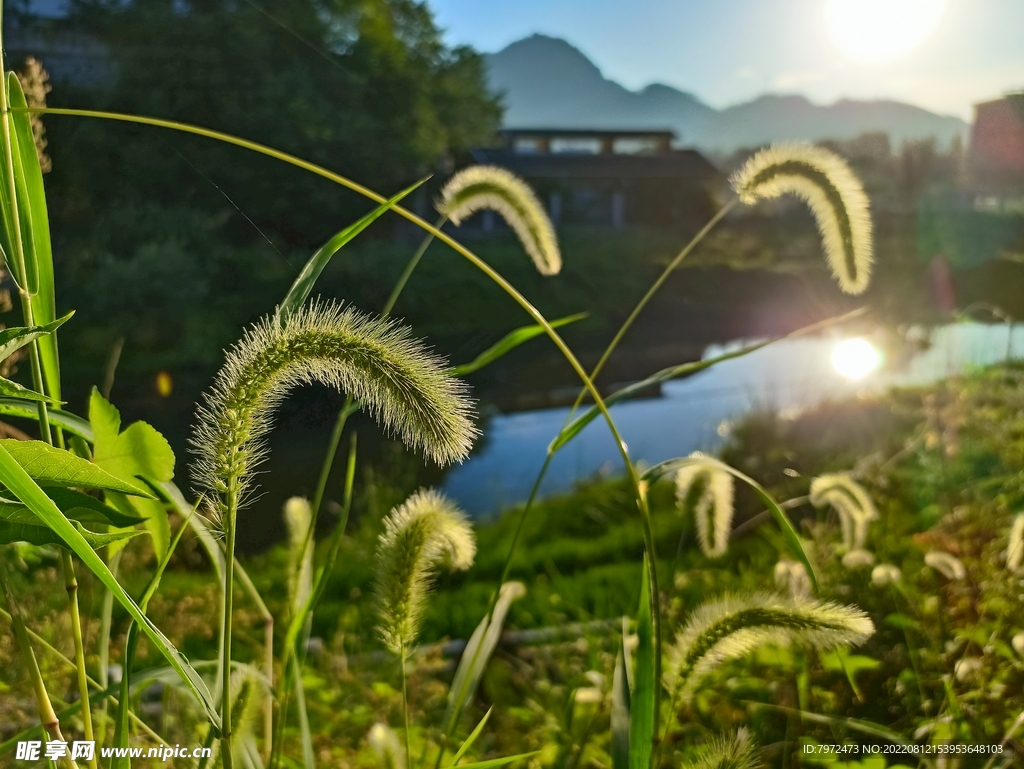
{"x": 855, "y": 358}
{"x": 881, "y": 31}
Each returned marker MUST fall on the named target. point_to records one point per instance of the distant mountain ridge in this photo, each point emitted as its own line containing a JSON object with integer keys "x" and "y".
{"x": 547, "y": 82}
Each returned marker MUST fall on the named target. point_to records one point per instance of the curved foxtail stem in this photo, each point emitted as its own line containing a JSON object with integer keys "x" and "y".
{"x": 831, "y": 190}
{"x": 480, "y": 188}
{"x": 733, "y": 626}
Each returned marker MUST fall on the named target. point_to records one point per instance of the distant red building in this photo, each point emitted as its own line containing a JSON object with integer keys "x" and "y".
{"x": 997, "y": 146}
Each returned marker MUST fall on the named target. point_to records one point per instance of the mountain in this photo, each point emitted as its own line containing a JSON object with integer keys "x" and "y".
{"x": 546, "y": 82}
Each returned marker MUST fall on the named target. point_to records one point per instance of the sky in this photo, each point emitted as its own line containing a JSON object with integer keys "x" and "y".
{"x": 729, "y": 51}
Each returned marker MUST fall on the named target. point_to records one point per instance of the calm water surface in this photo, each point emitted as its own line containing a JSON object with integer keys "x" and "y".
{"x": 694, "y": 413}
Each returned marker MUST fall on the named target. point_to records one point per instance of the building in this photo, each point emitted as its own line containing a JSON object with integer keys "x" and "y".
{"x": 996, "y": 155}
{"x": 609, "y": 178}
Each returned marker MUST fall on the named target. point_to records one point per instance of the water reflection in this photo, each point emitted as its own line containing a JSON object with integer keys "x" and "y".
{"x": 694, "y": 413}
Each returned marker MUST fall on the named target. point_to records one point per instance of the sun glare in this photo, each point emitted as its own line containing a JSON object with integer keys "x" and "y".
{"x": 855, "y": 358}
{"x": 881, "y": 31}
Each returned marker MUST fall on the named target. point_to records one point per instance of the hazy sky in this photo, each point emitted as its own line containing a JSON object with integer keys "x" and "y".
{"x": 726, "y": 51}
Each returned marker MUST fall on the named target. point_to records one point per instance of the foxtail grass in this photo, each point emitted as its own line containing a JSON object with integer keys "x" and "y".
{"x": 709, "y": 492}
{"x": 727, "y": 752}
{"x": 850, "y": 501}
{"x": 946, "y": 564}
{"x": 1015, "y": 546}
{"x": 833, "y": 193}
{"x": 480, "y": 188}
{"x": 733, "y": 626}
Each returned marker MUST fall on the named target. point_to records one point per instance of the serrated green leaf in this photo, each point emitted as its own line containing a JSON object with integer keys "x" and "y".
{"x": 17, "y": 480}
{"x": 75, "y": 505}
{"x": 51, "y": 466}
{"x": 303, "y": 284}
{"x": 9, "y": 389}
{"x": 641, "y": 714}
{"x": 13, "y": 339}
{"x": 512, "y": 340}
{"x": 36, "y": 533}
{"x": 39, "y": 251}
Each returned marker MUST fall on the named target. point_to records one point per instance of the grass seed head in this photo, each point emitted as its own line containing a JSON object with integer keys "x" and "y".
{"x": 426, "y": 532}
{"x": 832, "y": 191}
{"x": 949, "y": 566}
{"x": 1015, "y": 547}
{"x": 733, "y": 626}
{"x": 727, "y": 752}
{"x": 489, "y": 187}
{"x": 708, "y": 490}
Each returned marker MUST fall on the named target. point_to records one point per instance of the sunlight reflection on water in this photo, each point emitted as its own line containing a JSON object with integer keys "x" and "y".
{"x": 692, "y": 413}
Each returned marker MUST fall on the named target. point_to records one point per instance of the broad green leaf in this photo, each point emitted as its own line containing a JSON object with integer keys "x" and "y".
{"x": 43, "y": 300}
{"x": 75, "y": 505}
{"x": 36, "y": 533}
{"x": 674, "y": 372}
{"x": 620, "y": 711}
{"x": 51, "y": 466}
{"x": 17, "y": 480}
{"x": 13, "y": 339}
{"x": 72, "y": 423}
{"x": 788, "y": 532}
{"x": 641, "y": 714}
{"x": 472, "y": 737}
{"x": 9, "y": 389}
{"x": 512, "y": 340}
{"x": 303, "y": 284}
{"x": 137, "y": 452}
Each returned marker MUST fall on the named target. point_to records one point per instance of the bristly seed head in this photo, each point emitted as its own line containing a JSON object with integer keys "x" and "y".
{"x": 726, "y": 752}
{"x": 489, "y": 187}
{"x": 708, "y": 490}
{"x": 850, "y": 501}
{"x": 425, "y": 532}
{"x": 730, "y": 627}
{"x": 833, "y": 193}
{"x": 391, "y": 375}
{"x": 1015, "y": 547}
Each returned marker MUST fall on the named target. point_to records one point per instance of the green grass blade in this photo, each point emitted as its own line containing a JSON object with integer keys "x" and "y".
{"x": 9, "y": 389}
{"x": 18, "y": 482}
{"x": 303, "y": 284}
{"x": 472, "y": 737}
{"x": 73, "y": 423}
{"x": 496, "y": 762}
{"x": 620, "y": 711}
{"x": 38, "y": 249}
{"x": 788, "y": 532}
{"x": 512, "y": 340}
{"x": 641, "y": 715}
{"x": 573, "y": 429}
{"x": 12, "y": 339}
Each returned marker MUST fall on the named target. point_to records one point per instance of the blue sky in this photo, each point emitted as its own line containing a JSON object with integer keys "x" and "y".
{"x": 727, "y": 51}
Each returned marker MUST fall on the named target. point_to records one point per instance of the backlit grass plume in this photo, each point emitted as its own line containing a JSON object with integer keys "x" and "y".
{"x": 707, "y": 489}
{"x": 850, "y": 501}
{"x": 733, "y": 626}
{"x": 727, "y": 752}
{"x": 1015, "y": 547}
{"x": 393, "y": 376}
{"x": 949, "y": 566}
{"x": 387, "y": 746}
{"x": 833, "y": 193}
{"x": 297, "y": 517}
{"x": 488, "y": 187}
{"x": 425, "y": 532}
{"x": 791, "y": 577}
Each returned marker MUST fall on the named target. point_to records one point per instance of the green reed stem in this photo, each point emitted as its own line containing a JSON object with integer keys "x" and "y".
{"x": 47, "y": 717}
{"x": 229, "y": 587}
{"x": 71, "y": 585}
{"x": 409, "y": 268}
{"x": 405, "y": 708}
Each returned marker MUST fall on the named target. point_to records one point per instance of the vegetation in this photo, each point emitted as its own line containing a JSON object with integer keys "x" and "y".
{"x": 679, "y": 645}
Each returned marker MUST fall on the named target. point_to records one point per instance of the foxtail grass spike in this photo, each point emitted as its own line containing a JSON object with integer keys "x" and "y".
{"x": 885, "y": 574}
{"x": 859, "y": 559}
{"x": 1015, "y": 547}
{"x": 850, "y": 501}
{"x": 949, "y": 566}
{"x": 733, "y": 626}
{"x": 248, "y": 690}
{"x": 424, "y": 533}
{"x": 791, "y": 577}
{"x": 488, "y": 187}
{"x": 708, "y": 491}
{"x": 831, "y": 190}
{"x": 727, "y": 752}
{"x": 387, "y": 746}
{"x": 297, "y": 516}
{"x": 395, "y": 377}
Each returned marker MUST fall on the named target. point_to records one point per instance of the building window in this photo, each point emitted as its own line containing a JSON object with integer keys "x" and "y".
{"x": 635, "y": 146}
{"x": 527, "y": 145}
{"x": 572, "y": 145}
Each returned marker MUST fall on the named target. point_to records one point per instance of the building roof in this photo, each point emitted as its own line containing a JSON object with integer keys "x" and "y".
{"x": 674, "y": 164}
